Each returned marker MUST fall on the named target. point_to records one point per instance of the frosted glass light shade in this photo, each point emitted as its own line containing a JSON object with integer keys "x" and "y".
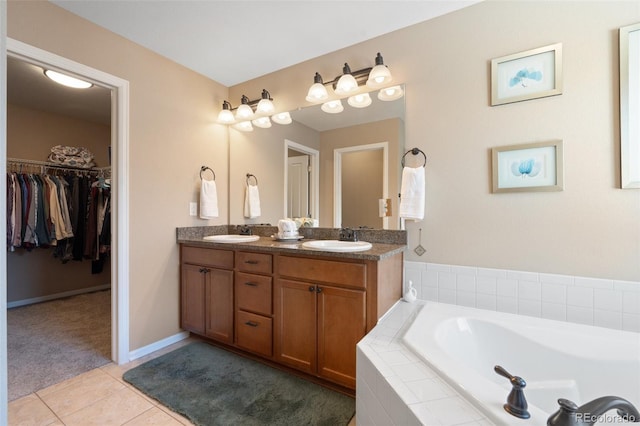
{"x": 390, "y": 93}
{"x": 244, "y": 112}
{"x": 265, "y": 106}
{"x": 317, "y": 93}
{"x": 282, "y": 118}
{"x": 226, "y": 116}
{"x": 244, "y": 126}
{"x": 361, "y": 100}
{"x": 379, "y": 76}
{"x": 263, "y": 122}
{"x": 332, "y": 107}
{"x": 346, "y": 84}
{"x": 67, "y": 80}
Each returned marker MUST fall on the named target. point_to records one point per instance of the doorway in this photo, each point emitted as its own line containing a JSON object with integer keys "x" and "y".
{"x": 301, "y": 181}
{"x": 119, "y": 187}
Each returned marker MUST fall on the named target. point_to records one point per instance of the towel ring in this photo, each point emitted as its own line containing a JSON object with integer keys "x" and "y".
{"x": 415, "y": 151}
{"x": 204, "y": 169}
{"x": 249, "y": 176}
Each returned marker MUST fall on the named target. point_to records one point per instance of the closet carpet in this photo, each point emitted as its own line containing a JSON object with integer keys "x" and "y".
{"x": 52, "y": 341}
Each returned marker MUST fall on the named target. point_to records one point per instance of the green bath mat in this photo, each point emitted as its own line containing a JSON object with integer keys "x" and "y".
{"x": 211, "y": 386}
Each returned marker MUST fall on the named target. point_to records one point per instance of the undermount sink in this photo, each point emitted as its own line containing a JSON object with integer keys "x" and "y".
{"x": 337, "y": 245}
{"x": 232, "y": 238}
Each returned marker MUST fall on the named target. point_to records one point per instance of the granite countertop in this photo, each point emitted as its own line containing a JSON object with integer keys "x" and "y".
{"x": 194, "y": 235}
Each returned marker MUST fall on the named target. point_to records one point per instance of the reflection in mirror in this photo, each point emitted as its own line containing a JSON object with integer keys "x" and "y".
{"x": 317, "y": 135}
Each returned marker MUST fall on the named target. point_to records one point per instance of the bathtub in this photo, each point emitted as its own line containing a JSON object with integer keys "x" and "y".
{"x": 557, "y": 359}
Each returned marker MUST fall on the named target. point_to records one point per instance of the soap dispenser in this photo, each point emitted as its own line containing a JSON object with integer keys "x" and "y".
{"x": 410, "y": 294}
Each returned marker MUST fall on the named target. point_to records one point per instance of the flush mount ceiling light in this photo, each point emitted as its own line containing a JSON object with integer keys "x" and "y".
{"x": 332, "y": 107}
{"x": 361, "y": 100}
{"x": 390, "y": 93}
{"x": 67, "y": 80}
{"x": 244, "y": 114}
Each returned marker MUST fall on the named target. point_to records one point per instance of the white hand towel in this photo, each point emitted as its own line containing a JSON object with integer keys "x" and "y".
{"x": 412, "y": 193}
{"x": 208, "y": 199}
{"x": 252, "y": 202}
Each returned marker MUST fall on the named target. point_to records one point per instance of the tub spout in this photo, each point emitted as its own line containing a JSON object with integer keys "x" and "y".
{"x": 570, "y": 414}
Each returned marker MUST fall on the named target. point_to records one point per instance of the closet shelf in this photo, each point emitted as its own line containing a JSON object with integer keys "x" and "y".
{"x": 49, "y": 165}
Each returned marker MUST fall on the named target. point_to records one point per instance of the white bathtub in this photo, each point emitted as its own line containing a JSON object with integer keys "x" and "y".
{"x": 556, "y": 359}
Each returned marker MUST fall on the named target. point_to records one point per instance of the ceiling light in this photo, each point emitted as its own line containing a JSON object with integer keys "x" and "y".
{"x": 347, "y": 83}
{"x": 265, "y": 106}
{"x": 243, "y": 126}
{"x": 332, "y": 107}
{"x": 244, "y": 111}
{"x": 390, "y": 93}
{"x": 282, "y": 118}
{"x": 361, "y": 100}
{"x": 379, "y": 75}
{"x": 263, "y": 122}
{"x": 67, "y": 80}
{"x": 226, "y": 116}
{"x": 317, "y": 92}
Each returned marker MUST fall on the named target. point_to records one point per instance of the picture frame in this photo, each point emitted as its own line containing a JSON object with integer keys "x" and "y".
{"x": 531, "y": 167}
{"x": 629, "y": 45}
{"x": 536, "y": 73}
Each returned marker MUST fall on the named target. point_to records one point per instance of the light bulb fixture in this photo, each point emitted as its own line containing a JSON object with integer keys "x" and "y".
{"x": 243, "y": 126}
{"x": 67, "y": 80}
{"x": 332, "y": 107}
{"x": 347, "y": 83}
{"x": 317, "y": 92}
{"x": 380, "y": 75}
{"x": 282, "y": 118}
{"x": 226, "y": 116}
{"x": 263, "y": 122}
{"x": 361, "y": 100}
{"x": 390, "y": 93}
{"x": 265, "y": 106}
{"x": 244, "y": 111}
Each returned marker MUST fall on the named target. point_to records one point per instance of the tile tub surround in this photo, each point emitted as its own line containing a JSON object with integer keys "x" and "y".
{"x": 599, "y": 302}
{"x": 395, "y": 387}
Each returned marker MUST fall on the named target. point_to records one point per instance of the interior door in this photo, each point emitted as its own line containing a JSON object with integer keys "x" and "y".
{"x": 298, "y": 186}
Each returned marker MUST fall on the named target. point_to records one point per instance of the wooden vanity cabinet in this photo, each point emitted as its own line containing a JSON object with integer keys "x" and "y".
{"x": 206, "y": 294}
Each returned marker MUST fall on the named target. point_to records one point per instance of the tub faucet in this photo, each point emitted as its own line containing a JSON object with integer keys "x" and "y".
{"x": 570, "y": 414}
{"x": 516, "y": 403}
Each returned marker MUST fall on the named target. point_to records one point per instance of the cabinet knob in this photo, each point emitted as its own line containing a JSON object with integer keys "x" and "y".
{"x": 312, "y": 288}
{"x": 204, "y": 270}
{"x": 319, "y": 290}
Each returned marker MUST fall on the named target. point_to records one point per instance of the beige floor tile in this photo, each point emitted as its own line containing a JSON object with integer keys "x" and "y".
{"x": 79, "y": 392}
{"x": 183, "y": 420}
{"x": 155, "y": 417}
{"x": 30, "y": 411}
{"x": 115, "y": 409}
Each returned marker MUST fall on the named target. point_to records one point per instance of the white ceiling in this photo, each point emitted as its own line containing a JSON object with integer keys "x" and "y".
{"x": 233, "y": 41}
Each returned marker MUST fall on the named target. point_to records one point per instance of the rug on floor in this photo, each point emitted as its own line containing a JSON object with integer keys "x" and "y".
{"x": 50, "y": 342}
{"x": 211, "y": 386}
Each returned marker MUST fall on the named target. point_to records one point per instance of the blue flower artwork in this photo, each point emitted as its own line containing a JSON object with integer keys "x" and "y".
{"x": 526, "y": 168}
{"x": 525, "y": 77}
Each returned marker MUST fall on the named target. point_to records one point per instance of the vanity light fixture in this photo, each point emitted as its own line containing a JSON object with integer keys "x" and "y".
{"x": 244, "y": 111}
{"x": 226, "y": 116}
{"x": 347, "y": 83}
{"x": 390, "y": 93}
{"x": 332, "y": 107}
{"x": 265, "y": 106}
{"x": 379, "y": 75}
{"x": 263, "y": 122}
{"x": 282, "y": 118}
{"x": 243, "y": 126}
{"x": 245, "y": 115}
{"x": 361, "y": 100}
{"x": 317, "y": 92}
{"x": 67, "y": 80}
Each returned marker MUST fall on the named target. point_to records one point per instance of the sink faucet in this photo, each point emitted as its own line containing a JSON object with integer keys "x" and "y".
{"x": 570, "y": 414}
{"x": 348, "y": 234}
{"x": 244, "y": 230}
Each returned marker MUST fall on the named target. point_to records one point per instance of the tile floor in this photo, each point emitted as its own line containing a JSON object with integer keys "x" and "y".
{"x": 99, "y": 397}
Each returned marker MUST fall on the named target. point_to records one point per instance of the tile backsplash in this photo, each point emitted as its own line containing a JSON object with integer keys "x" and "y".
{"x": 600, "y": 302}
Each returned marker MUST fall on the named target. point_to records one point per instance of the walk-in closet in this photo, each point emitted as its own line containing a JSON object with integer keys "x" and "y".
{"x": 58, "y": 229}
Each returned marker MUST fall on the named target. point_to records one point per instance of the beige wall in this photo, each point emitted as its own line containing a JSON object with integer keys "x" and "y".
{"x": 172, "y": 133}
{"x": 589, "y": 229}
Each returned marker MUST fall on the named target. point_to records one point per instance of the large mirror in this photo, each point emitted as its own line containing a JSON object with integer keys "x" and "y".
{"x": 337, "y": 170}
{"x": 630, "y": 106}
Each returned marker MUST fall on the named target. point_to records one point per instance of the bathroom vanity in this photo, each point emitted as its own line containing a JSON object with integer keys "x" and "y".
{"x": 298, "y": 308}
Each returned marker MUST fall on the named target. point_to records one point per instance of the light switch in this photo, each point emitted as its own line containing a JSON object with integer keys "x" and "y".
{"x": 193, "y": 209}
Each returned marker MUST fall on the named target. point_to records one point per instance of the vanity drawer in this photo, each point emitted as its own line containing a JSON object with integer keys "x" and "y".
{"x": 342, "y": 273}
{"x": 259, "y": 263}
{"x": 253, "y": 293}
{"x": 253, "y": 333}
{"x": 207, "y": 257}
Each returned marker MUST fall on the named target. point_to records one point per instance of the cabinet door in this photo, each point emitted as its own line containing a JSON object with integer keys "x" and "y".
{"x": 341, "y": 325}
{"x": 192, "y": 303}
{"x": 219, "y": 305}
{"x": 295, "y": 317}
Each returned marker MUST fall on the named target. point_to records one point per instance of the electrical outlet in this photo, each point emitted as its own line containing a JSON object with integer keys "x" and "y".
{"x": 193, "y": 209}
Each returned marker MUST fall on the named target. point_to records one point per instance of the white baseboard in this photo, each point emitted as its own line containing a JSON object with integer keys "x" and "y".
{"x": 33, "y": 300}
{"x": 160, "y": 344}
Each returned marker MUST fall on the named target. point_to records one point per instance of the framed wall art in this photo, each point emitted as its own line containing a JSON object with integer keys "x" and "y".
{"x": 630, "y": 106}
{"x": 528, "y": 167}
{"x": 536, "y": 73}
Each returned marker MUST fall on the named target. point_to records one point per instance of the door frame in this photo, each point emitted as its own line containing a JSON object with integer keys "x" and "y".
{"x": 120, "y": 184}
{"x": 314, "y": 178}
